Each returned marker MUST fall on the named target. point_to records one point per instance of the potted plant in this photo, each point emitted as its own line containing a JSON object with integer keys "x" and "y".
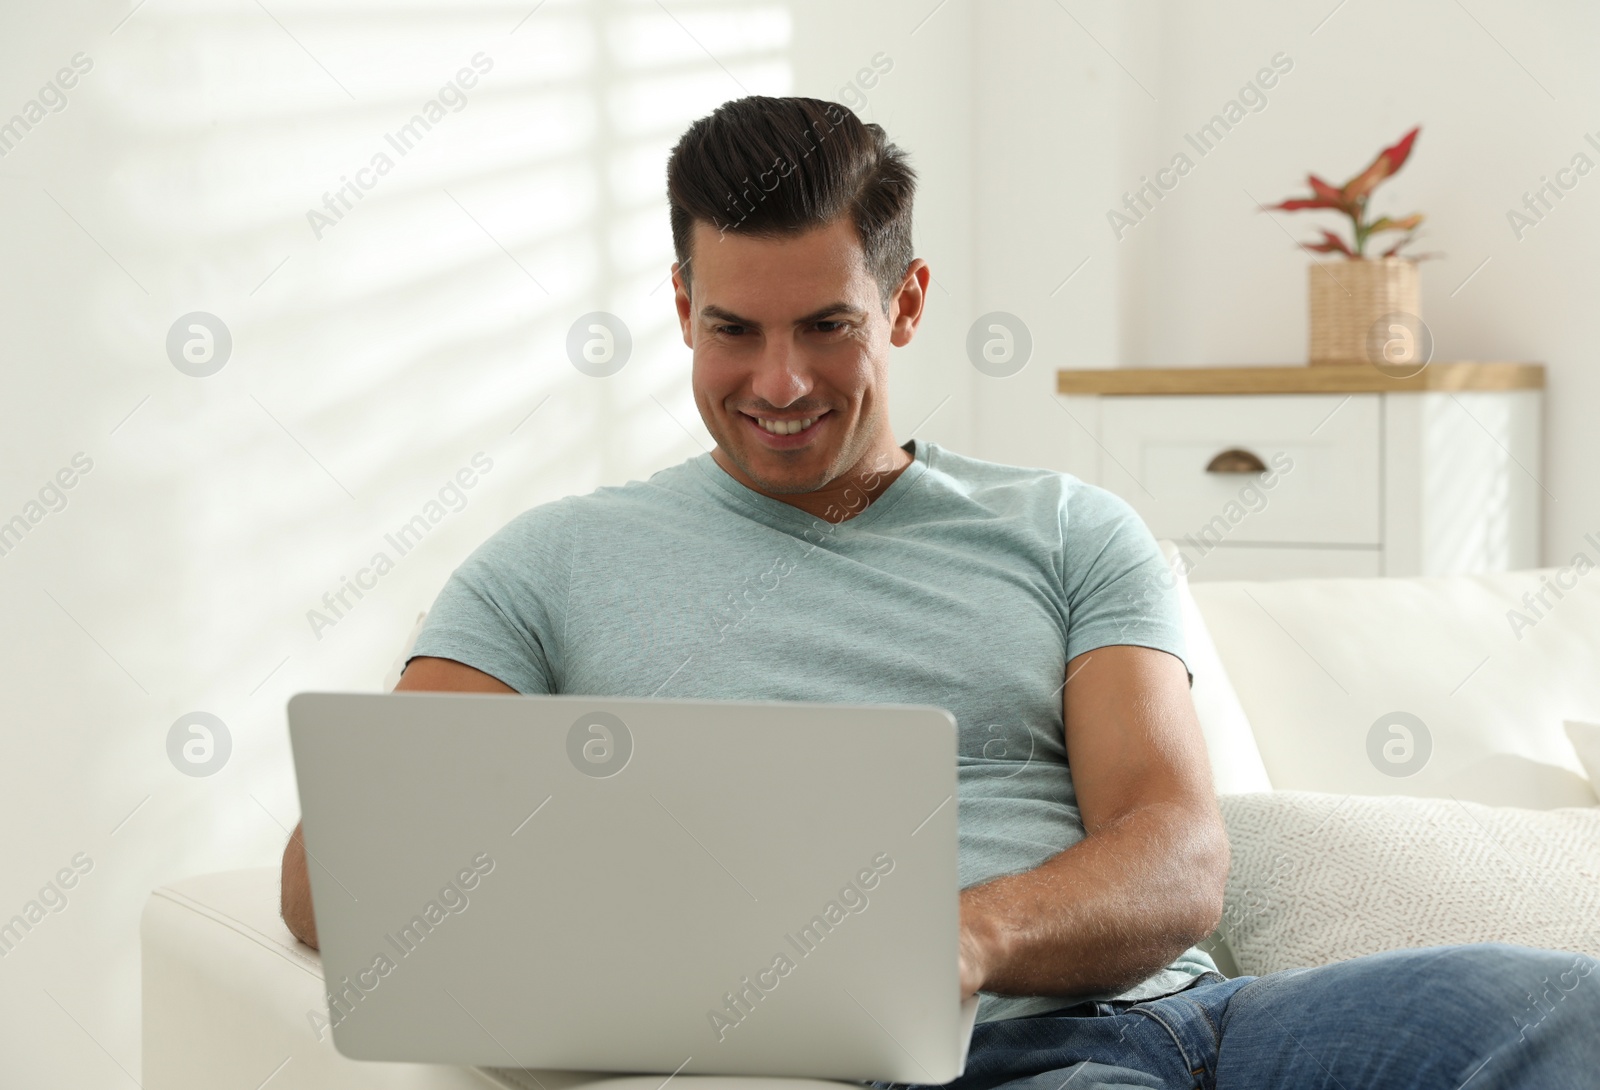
{"x": 1349, "y": 299}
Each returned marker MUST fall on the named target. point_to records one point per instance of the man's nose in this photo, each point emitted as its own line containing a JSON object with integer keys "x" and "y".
{"x": 781, "y": 377}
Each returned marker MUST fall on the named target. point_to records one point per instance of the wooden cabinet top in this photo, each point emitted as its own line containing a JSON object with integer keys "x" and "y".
{"x": 1352, "y": 378}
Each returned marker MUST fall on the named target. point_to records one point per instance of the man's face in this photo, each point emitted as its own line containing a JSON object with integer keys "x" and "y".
{"x": 791, "y": 352}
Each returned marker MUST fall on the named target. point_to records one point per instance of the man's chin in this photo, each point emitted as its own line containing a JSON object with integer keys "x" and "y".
{"x": 783, "y": 473}
{"x": 788, "y": 484}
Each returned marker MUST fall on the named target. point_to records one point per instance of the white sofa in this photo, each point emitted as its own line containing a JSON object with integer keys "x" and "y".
{"x": 1290, "y": 678}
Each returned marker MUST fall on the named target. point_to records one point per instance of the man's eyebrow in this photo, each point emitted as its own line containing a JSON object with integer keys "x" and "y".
{"x": 837, "y": 308}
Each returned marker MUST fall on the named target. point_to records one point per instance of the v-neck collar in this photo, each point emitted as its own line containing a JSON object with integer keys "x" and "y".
{"x": 776, "y": 511}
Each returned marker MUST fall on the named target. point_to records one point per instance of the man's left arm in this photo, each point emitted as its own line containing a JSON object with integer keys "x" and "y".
{"x": 1146, "y": 882}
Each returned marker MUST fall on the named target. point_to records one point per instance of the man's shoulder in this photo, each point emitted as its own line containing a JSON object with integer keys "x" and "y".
{"x": 966, "y": 467}
{"x": 978, "y": 477}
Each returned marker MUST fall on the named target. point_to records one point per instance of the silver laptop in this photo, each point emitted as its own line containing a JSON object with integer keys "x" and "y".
{"x": 656, "y": 886}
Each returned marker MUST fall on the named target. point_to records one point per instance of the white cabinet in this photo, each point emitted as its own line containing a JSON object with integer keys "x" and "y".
{"x": 1381, "y": 481}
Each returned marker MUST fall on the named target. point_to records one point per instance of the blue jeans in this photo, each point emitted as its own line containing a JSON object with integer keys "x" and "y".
{"x": 1486, "y": 1016}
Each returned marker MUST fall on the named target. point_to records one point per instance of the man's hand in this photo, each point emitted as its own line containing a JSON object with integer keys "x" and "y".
{"x": 1146, "y": 881}
{"x": 422, "y": 674}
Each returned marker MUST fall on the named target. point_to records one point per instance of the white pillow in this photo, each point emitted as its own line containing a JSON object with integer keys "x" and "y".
{"x": 1586, "y": 740}
{"x": 1236, "y": 764}
{"x": 1318, "y": 662}
{"x": 1318, "y": 878}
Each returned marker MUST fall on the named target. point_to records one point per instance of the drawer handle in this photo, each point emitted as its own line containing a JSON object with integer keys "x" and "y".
{"x": 1235, "y": 460}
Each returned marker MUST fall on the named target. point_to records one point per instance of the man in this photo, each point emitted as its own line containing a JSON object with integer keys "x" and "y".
{"x": 812, "y": 557}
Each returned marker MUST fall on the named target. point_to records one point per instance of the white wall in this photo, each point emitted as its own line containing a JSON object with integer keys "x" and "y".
{"x": 368, "y": 367}
{"x": 1078, "y": 111}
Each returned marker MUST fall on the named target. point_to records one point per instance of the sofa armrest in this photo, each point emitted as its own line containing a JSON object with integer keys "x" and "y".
{"x": 229, "y": 994}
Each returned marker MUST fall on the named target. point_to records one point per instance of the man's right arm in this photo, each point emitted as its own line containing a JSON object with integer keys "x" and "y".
{"x": 422, "y": 674}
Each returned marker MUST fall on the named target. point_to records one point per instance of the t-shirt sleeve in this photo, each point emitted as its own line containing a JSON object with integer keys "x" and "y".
{"x": 1120, "y": 588}
{"x": 503, "y": 611}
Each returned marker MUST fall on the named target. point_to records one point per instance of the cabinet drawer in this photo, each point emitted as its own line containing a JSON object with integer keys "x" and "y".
{"x": 1322, "y": 484}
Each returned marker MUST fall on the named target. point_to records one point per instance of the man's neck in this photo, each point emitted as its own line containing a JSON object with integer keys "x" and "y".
{"x": 844, "y": 497}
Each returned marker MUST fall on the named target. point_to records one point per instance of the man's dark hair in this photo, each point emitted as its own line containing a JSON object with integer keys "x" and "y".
{"x": 766, "y": 167}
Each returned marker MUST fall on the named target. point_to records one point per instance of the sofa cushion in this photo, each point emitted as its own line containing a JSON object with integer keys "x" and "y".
{"x": 1235, "y": 760}
{"x": 1318, "y": 878}
{"x": 1586, "y": 741}
{"x": 1337, "y": 674}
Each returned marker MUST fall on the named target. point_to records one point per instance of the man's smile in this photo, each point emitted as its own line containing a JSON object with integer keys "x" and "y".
{"x": 786, "y": 432}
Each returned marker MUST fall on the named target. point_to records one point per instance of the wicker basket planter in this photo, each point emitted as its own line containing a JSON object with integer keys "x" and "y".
{"x": 1348, "y": 297}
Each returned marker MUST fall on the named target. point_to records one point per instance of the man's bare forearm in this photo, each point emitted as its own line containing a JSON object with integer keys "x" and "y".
{"x": 1106, "y": 913}
{"x": 296, "y": 903}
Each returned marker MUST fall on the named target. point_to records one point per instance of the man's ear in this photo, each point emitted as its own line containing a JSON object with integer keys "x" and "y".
{"x": 907, "y": 303}
{"x": 683, "y": 300}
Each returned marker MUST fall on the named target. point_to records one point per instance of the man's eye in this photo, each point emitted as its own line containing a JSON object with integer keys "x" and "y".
{"x": 829, "y": 326}
{"x": 728, "y": 330}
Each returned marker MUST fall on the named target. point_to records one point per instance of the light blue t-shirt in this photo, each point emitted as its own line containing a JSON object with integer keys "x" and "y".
{"x": 966, "y": 584}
